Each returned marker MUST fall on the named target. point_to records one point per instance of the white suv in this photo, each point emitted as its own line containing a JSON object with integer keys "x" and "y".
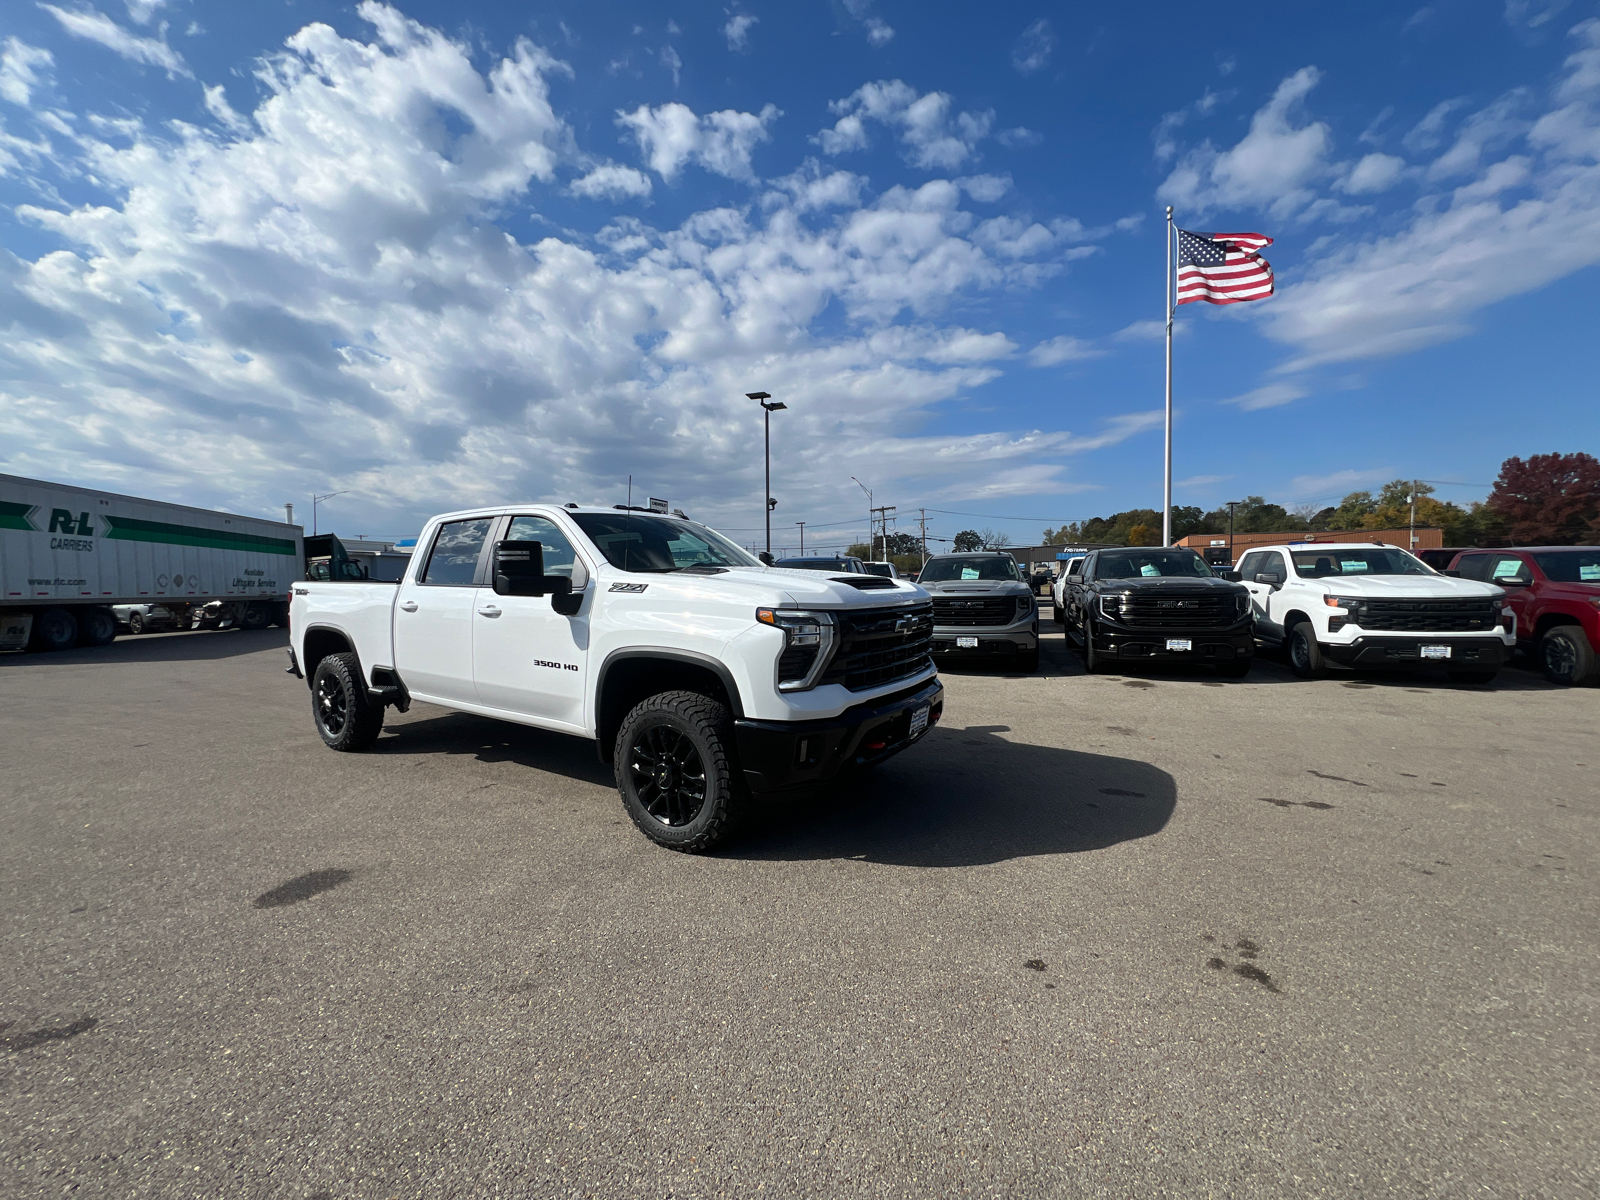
{"x": 1368, "y": 604}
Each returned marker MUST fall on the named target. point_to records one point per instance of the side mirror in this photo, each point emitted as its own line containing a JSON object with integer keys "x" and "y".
{"x": 1270, "y": 578}
{"x": 1231, "y": 576}
{"x": 1512, "y": 581}
{"x": 519, "y": 571}
{"x": 1454, "y": 574}
{"x": 766, "y": 559}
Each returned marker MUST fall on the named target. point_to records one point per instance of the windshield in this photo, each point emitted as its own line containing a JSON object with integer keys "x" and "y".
{"x": 988, "y": 566}
{"x": 1570, "y": 566}
{"x": 1148, "y": 564}
{"x": 638, "y": 542}
{"x": 1380, "y": 560}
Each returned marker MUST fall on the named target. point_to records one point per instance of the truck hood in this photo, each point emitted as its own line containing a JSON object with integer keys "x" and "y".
{"x": 770, "y": 587}
{"x": 977, "y": 587}
{"x": 1409, "y": 587}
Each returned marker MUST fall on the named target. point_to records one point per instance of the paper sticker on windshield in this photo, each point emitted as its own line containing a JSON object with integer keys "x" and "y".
{"x": 629, "y": 587}
{"x": 1351, "y": 566}
{"x": 1588, "y": 574}
{"x": 1149, "y": 569}
{"x": 969, "y": 572}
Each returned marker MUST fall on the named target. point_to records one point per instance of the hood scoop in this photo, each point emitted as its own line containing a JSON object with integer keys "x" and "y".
{"x": 865, "y": 583}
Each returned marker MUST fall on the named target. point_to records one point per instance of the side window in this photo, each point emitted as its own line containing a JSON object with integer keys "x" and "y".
{"x": 1251, "y": 565}
{"x": 454, "y": 559}
{"x": 559, "y": 557}
{"x": 1508, "y": 566}
{"x": 1474, "y": 566}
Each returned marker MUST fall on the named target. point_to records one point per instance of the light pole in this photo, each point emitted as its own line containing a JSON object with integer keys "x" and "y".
{"x": 802, "y": 525}
{"x": 768, "y": 409}
{"x": 1232, "y": 504}
{"x": 868, "y": 491}
{"x": 316, "y": 500}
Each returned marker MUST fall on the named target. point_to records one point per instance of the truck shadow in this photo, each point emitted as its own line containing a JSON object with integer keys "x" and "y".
{"x": 966, "y": 797}
{"x": 189, "y": 646}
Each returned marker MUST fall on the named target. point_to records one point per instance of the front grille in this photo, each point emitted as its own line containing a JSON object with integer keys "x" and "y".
{"x": 979, "y": 610}
{"x": 1427, "y": 616}
{"x": 880, "y": 645}
{"x": 1166, "y": 611}
{"x": 795, "y": 662}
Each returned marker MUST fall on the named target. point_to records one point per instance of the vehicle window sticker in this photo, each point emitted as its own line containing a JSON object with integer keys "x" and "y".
{"x": 1352, "y": 566}
{"x": 969, "y": 572}
{"x": 1149, "y": 569}
{"x": 1507, "y": 568}
{"x": 1588, "y": 572}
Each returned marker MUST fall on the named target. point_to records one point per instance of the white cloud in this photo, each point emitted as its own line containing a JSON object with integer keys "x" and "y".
{"x": 140, "y": 12}
{"x": 879, "y": 31}
{"x": 1062, "y": 349}
{"x": 1374, "y": 173}
{"x": 1272, "y": 167}
{"x": 217, "y": 105}
{"x": 1020, "y": 136}
{"x": 672, "y": 136}
{"x": 22, "y": 69}
{"x": 1509, "y": 227}
{"x": 1201, "y": 481}
{"x": 1272, "y": 395}
{"x": 935, "y": 136}
{"x": 1427, "y": 133}
{"x": 1533, "y": 13}
{"x": 671, "y": 61}
{"x": 737, "y": 30}
{"x": 97, "y": 27}
{"x": 1033, "y": 47}
{"x": 612, "y": 182}
{"x": 342, "y": 283}
{"x": 1339, "y": 483}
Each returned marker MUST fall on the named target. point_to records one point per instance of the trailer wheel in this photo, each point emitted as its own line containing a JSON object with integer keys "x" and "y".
{"x": 97, "y": 627}
{"x": 54, "y": 629}
{"x": 676, "y": 770}
{"x": 255, "y": 616}
{"x": 345, "y": 716}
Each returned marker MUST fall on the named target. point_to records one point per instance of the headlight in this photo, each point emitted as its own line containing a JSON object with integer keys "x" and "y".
{"x": 807, "y": 639}
{"x": 1350, "y": 602}
{"x": 1111, "y": 607}
{"x": 1242, "y": 600}
{"x": 1024, "y": 606}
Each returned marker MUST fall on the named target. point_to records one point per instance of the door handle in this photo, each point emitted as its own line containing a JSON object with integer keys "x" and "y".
{"x": 409, "y": 606}
{"x": 489, "y": 611}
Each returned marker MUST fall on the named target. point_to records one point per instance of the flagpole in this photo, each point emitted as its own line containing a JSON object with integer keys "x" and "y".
{"x": 1167, "y": 296}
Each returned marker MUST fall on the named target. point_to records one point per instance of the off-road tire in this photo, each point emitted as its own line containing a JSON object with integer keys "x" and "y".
{"x": 136, "y": 623}
{"x": 1478, "y": 675}
{"x": 97, "y": 627}
{"x": 346, "y": 717}
{"x": 54, "y": 629}
{"x": 1236, "y": 669}
{"x": 1304, "y": 655}
{"x": 691, "y": 735}
{"x": 1565, "y": 656}
{"x": 256, "y": 616}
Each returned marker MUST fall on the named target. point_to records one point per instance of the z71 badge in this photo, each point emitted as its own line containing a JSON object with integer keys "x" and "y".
{"x": 629, "y": 587}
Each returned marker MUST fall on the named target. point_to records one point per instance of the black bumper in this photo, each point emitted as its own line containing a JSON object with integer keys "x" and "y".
{"x": 1400, "y": 651}
{"x": 790, "y": 754}
{"x": 1209, "y": 645}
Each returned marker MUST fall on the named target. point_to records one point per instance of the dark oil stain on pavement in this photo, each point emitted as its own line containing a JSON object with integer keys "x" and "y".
{"x": 1137, "y": 683}
{"x": 303, "y": 887}
{"x": 1034, "y": 964}
{"x": 56, "y": 1033}
{"x": 1252, "y": 972}
{"x": 1122, "y": 729}
{"x": 1120, "y": 792}
{"x": 1355, "y": 685}
{"x": 1317, "y": 804}
{"x": 1248, "y": 950}
{"x": 1336, "y": 778}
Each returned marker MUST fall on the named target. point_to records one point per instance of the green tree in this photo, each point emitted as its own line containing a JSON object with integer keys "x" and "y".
{"x": 1353, "y": 511}
{"x": 1187, "y": 519}
{"x": 903, "y": 543}
{"x": 967, "y": 541}
{"x": 860, "y": 550}
{"x": 1143, "y": 535}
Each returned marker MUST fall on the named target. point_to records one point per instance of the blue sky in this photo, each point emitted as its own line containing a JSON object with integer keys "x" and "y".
{"x": 441, "y": 255}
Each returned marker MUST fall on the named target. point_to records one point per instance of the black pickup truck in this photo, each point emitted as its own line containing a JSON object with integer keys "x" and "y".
{"x": 1138, "y": 604}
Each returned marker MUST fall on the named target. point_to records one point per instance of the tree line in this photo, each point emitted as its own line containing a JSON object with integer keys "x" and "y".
{"x": 1544, "y": 500}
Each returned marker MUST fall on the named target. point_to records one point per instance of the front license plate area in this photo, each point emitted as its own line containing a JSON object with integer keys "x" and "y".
{"x": 1180, "y": 644}
{"x": 1435, "y": 651}
{"x": 966, "y": 643}
{"x": 919, "y": 719}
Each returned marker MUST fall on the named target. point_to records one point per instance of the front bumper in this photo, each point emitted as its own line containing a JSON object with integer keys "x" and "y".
{"x": 1399, "y": 651}
{"x": 777, "y": 755}
{"x": 993, "y": 640}
{"x": 1209, "y": 645}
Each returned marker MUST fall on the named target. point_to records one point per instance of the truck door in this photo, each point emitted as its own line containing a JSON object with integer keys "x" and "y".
{"x": 527, "y": 657}
{"x": 1260, "y": 562}
{"x": 1511, "y": 571}
{"x": 433, "y": 618}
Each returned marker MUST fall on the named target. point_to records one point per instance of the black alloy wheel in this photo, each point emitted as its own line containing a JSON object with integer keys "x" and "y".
{"x": 333, "y": 705}
{"x": 668, "y": 776}
{"x": 1565, "y": 656}
{"x": 677, "y": 771}
{"x": 1093, "y": 661}
{"x": 345, "y": 716}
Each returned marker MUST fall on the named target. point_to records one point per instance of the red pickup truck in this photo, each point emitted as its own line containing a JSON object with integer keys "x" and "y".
{"x": 1555, "y": 593}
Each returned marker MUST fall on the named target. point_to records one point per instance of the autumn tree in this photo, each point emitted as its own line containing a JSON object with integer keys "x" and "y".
{"x": 1549, "y": 499}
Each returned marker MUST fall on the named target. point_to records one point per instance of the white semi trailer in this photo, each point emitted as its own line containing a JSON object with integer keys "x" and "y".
{"x": 68, "y": 555}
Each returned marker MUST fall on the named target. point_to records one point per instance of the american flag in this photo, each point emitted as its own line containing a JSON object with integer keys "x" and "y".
{"x": 1222, "y": 268}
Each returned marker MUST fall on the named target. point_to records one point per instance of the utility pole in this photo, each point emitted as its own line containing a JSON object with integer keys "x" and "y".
{"x": 922, "y": 520}
{"x": 883, "y": 512}
{"x": 1232, "y": 504}
{"x": 1411, "y": 543}
{"x": 802, "y": 525}
{"x": 769, "y": 409}
{"x": 316, "y": 500}
{"x": 868, "y": 491}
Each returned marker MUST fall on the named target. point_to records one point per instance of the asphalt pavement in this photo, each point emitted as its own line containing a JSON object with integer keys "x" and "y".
{"x": 1140, "y": 935}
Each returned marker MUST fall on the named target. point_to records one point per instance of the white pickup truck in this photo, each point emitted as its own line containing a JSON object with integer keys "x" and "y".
{"x": 1367, "y": 604}
{"x": 702, "y": 674}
